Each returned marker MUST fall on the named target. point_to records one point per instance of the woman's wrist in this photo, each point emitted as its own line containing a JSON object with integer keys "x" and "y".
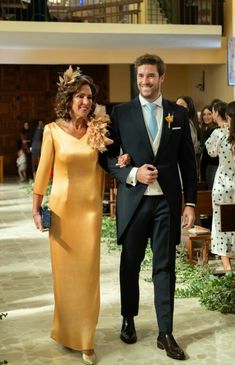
{"x": 35, "y": 213}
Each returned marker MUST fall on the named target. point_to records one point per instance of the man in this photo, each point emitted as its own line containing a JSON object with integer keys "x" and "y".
{"x": 149, "y": 196}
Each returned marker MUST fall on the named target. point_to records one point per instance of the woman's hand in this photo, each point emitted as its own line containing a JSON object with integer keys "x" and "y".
{"x": 37, "y": 220}
{"x": 37, "y": 202}
{"x": 123, "y": 160}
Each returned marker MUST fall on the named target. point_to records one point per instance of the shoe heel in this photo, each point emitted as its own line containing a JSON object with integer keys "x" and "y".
{"x": 160, "y": 346}
{"x": 89, "y": 359}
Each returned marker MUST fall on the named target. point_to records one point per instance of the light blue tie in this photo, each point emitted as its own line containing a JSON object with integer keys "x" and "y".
{"x": 151, "y": 120}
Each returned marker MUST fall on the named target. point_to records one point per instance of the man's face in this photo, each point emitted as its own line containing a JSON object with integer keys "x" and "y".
{"x": 149, "y": 82}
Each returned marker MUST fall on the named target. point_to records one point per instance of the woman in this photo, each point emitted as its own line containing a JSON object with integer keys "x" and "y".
{"x": 219, "y": 114}
{"x": 25, "y": 137}
{"x": 221, "y": 143}
{"x": 71, "y": 148}
{"x": 187, "y": 103}
{"x": 208, "y": 165}
{"x": 36, "y": 146}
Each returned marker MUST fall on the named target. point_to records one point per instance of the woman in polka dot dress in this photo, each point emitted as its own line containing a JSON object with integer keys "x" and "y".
{"x": 221, "y": 143}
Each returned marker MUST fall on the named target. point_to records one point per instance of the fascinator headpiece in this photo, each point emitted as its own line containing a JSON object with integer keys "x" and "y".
{"x": 69, "y": 76}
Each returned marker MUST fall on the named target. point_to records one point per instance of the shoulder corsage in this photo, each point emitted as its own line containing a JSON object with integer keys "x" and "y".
{"x": 97, "y": 130}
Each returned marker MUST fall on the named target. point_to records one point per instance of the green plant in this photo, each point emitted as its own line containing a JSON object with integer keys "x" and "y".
{"x": 3, "y": 315}
{"x": 215, "y": 293}
{"x": 109, "y": 228}
{"x": 147, "y": 262}
{"x": 190, "y": 279}
{"x": 108, "y": 233}
{"x": 219, "y": 293}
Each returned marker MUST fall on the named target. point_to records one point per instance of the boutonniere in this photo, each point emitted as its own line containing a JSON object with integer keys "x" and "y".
{"x": 169, "y": 119}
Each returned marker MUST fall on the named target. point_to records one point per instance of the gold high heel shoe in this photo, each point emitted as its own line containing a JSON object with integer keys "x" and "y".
{"x": 89, "y": 359}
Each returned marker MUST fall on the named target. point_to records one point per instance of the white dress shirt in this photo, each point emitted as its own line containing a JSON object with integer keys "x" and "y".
{"x": 152, "y": 189}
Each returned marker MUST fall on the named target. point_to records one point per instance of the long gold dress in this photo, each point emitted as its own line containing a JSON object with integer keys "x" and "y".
{"x": 76, "y": 204}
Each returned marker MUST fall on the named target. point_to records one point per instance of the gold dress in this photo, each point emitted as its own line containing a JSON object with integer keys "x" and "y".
{"x": 76, "y": 204}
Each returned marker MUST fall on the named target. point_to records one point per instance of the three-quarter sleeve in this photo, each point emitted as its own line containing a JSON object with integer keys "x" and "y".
{"x": 213, "y": 143}
{"x": 46, "y": 162}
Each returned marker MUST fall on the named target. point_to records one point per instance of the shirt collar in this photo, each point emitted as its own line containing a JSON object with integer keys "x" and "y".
{"x": 158, "y": 101}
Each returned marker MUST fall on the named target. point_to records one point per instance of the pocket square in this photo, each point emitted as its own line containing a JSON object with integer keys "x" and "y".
{"x": 175, "y": 128}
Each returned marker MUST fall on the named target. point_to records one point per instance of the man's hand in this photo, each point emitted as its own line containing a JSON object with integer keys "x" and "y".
{"x": 188, "y": 217}
{"x": 147, "y": 174}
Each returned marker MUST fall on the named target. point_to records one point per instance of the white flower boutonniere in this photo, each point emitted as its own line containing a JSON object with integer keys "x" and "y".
{"x": 169, "y": 119}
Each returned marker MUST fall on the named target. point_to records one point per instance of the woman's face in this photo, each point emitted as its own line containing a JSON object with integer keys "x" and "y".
{"x": 207, "y": 116}
{"x": 82, "y": 102}
{"x": 182, "y": 102}
{"x": 228, "y": 119}
{"x": 214, "y": 115}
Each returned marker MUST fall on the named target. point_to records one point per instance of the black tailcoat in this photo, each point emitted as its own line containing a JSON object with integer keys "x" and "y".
{"x": 175, "y": 153}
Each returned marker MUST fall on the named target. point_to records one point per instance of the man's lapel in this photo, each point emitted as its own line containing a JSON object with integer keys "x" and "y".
{"x": 139, "y": 130}
{"x": 166, "y": 127}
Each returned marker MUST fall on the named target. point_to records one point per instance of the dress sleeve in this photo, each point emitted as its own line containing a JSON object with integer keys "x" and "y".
{"x": 213, "y": 143}
{"x": 46, "y": 162}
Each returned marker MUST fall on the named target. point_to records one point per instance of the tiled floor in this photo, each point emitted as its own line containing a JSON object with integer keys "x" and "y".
{"x": 26, "y": 295}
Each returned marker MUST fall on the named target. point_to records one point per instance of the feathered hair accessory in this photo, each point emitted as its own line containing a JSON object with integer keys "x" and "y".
{"x": 69, "y": 76}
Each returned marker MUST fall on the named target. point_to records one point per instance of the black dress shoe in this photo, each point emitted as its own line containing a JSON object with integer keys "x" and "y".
{"x": 168, "y": 343}
{"x": 128, "y": 333}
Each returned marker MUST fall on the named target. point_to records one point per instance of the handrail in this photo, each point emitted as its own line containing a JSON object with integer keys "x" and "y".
{"x": 209, "y": 12}
{"x": 83, "y": 7}
{"x": 87, "y": 12}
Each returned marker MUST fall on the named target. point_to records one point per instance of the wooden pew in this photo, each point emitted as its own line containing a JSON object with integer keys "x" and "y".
{"x": 204, "y": 203}
{"x": 110, "y": 193}
{"x": 200, "y": 243}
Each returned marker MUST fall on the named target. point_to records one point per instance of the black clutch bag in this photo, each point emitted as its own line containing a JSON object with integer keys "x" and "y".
{"x": 46, "y": 217}
{"x": 227, "y": 212}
